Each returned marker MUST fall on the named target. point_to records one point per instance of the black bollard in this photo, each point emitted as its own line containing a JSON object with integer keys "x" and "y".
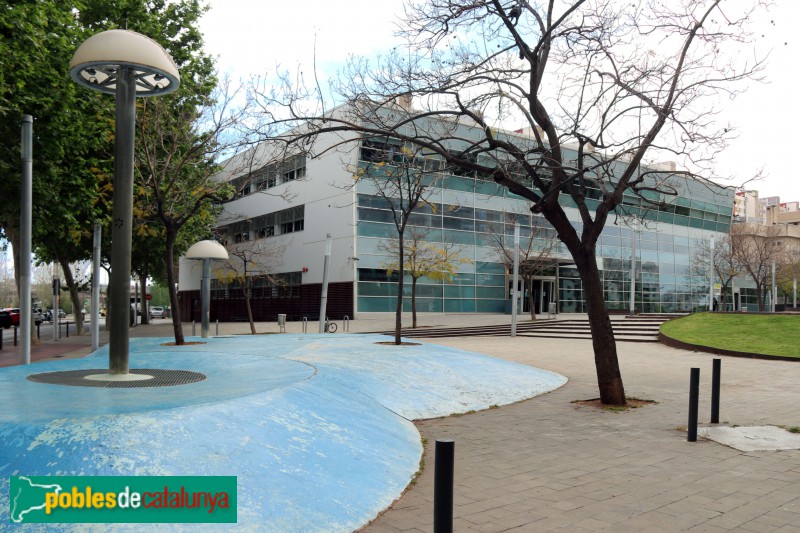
{"x": 443, "y": 486}
{"x": 1, "y": 339}
{"x": 66, "y": 326}
{"x": 715, "y": 381}
{"x": 15, "y": 335}
{"x": 694, "y": 393}
{"x": 39, "y": 325}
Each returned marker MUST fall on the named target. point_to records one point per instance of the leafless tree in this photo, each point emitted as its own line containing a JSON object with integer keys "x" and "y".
{"x": 596, "y": 85}
{"x": 756, "y": 247}
{"x": 403, "y": 180}
{"x": 250, "y": 264}
{"x": 727, "y": 264}
{"x": 537, "y": 246}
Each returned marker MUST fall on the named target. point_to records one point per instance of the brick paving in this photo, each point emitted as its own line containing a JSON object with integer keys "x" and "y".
{"x": 548, "y": 464}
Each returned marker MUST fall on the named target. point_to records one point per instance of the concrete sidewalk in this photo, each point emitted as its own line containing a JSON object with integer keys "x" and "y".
{"x": 548, "y": 464}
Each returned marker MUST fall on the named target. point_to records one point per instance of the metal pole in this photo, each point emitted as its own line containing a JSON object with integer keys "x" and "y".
{"x": 443, "y": 486}
{"x": 56, "y": 319}
{"x": 794, "y": 302}
{"x": 135, "y": 302}
{"x": 694, "y": 393}
{"x": 711, "y": 278}
{"x": 95, "y": 306}
{"x": 25, "y": 221}
{"x": 633, "y": 274}
{"x": 715, "y": 382}
{"x": 121, "y": 227}
{"x": 323, "y": 304}
{"x": 205, "y": 299}
{"x": 515, "y": 281}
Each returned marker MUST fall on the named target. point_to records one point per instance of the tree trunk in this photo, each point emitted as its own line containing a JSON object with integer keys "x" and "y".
{"x": 143, "y": 303}
{"x": 609, "y": 378}
{"x": 398, "y": 314}
{"x": 177, "y": 327}
{"x": 413, "y": 302}
{"x": 760, "y": 296}
{"x": 247, "y": 305}
{"x": 73, "y": 295}
{"x": 531, "y": 300}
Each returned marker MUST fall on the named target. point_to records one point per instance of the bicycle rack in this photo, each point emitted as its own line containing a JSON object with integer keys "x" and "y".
{"x": 346, "y": 324}
{"x": 305, "y": 324}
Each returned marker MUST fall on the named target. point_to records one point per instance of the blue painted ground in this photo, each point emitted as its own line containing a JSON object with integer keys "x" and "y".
{"x": 316, "y": 427}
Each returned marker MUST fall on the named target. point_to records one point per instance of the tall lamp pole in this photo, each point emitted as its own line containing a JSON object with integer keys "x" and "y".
{"x": 206, "y": 251}
{"x": 126, "y": 64}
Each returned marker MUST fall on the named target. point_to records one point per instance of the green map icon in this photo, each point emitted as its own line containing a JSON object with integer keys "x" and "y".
{"x": 28, "y": 498}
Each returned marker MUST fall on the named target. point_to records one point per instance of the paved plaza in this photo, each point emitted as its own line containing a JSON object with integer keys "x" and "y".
{"x": 549, "y": 464}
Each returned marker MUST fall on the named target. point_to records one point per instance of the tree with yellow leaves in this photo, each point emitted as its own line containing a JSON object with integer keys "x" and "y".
{"x": 434, "y": 261}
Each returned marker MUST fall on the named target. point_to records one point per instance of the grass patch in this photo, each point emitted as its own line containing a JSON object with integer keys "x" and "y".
{"x": 761, "y": 334}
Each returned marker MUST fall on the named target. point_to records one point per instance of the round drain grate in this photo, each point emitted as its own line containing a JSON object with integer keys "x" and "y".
{"x": 161, "y": 378}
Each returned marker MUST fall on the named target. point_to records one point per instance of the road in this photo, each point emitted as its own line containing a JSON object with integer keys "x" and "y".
{"x": 46, "y": 330}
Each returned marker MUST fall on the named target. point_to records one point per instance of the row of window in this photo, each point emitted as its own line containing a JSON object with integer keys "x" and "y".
{"x": 289, "y": 169}
{"x": 713, "y": 214}
{"x": 277, "y": 223}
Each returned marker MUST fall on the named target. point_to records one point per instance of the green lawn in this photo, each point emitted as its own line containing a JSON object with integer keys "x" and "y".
{"x": 763, "y": 334}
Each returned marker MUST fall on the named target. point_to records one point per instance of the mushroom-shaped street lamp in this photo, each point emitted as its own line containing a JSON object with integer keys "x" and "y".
{"x": 207, "y": 251}
{"x": 126, "y": 64}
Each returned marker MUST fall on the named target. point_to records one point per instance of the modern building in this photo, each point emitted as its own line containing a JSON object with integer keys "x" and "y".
{"x": 291, "y": 201}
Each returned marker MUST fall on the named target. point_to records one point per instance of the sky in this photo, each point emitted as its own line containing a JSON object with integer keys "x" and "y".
{"x": 251, "y": 37}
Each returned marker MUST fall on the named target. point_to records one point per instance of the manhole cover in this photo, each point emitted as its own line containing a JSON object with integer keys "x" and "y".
{"x": 160, "y": 378}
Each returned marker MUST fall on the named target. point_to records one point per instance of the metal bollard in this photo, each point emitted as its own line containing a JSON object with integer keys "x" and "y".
{"x": 346, "y": 324}
{"x": 217, "y": 333}
{"x": 66, "y": 326}
{"x": 715, "y": 382}
{"x": 1, "y": 339}
{"x": 443, "y": 486}
{"x": 15, "y": 335}
{"x": 38, "y": 336}
{"x": 305, "y": 324}
{"x": 694, "y": 393}
{"x": 193, "y": 323}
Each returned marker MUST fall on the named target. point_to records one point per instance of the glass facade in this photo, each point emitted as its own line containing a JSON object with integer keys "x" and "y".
{"x": 471, "y": 213}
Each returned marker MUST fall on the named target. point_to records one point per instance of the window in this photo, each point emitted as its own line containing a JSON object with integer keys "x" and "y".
{"x": 265, "y": 226}
{"x": 271, "y": 175}
{"x": 291, "y": 219}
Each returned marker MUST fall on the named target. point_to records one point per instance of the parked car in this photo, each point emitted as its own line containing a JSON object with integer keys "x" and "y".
{"x": 10, "y": 317}
{"x": 48, "y": 315}
{"x": 5, "y": 318}
{"x": 157, "y": 312}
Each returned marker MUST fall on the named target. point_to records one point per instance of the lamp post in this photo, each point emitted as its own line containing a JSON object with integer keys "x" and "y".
{"x": 206, "y": 251}
{"x": 126, "y": 64}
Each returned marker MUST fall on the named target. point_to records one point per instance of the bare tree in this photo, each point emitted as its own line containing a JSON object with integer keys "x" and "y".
{"x": 250, "y": 265}
{"x": 592, "y": 99}
{"x": 727, "y": 264}
{"x": 537, "y": 245}
{"x": 756, "y": 247}
{"x": 403, "y": 180}
{"x": 432, "y": 260}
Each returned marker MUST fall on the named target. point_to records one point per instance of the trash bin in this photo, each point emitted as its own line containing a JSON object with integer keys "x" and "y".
{"x": 552, "y": 309}
{"x": 282, "y": 322}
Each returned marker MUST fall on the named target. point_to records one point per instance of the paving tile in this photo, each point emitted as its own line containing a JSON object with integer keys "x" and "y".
{"x": 574, "y": 468}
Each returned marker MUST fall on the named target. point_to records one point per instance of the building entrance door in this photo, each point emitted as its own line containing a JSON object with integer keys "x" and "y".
{"x": 543, "y": 294}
